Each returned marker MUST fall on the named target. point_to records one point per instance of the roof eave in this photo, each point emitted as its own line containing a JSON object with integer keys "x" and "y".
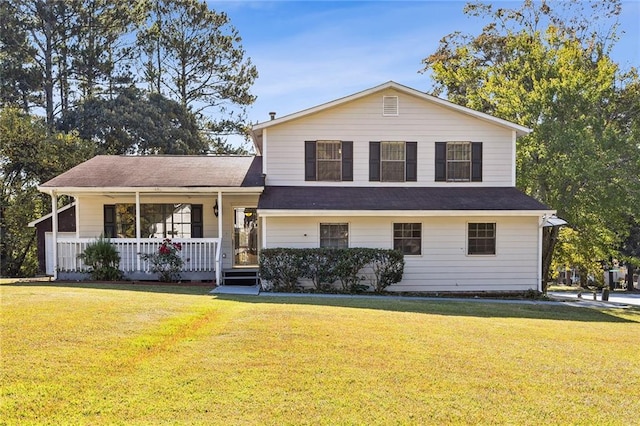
{"x": 370, "y": 213}
{"x": 149, "y": 189}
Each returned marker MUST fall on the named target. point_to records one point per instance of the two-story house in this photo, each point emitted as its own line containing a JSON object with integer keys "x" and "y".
{"x": 388, "y": 167}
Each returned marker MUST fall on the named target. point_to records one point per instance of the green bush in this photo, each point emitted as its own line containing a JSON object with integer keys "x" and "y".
{"x": 388, "y": 267}
{"x": 166, "y": 262}
{"x": 283, "y": 267}
{"x": 102, "y": 259}
{"x": 349, "y": 264}
{"x": 318, "y": 264}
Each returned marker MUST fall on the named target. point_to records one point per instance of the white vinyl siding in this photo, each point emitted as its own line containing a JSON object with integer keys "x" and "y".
{"x": 360, "y": 121}
{"x": 444, "y": 264}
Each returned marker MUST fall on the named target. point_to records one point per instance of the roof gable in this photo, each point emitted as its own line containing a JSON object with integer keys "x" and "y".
{"x": 257, "y": 129}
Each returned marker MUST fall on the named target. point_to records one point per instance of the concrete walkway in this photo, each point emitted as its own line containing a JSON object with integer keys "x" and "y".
{"x": 247, "y": 290}
{"x": 616, "y": 300}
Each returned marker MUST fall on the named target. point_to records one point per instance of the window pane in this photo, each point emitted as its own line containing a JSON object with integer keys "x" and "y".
{"x": 482, "y": 238}
{"x": 459, "y": 161}
{"x": 328, "y": 150}
{"x": 407, "y": 238}
{"x": 329, "y": 160}
{"x": 392, "y": 151}
{"x": 329, "y": 170}
{"x": 156, "y": 220}
{"x": 334, "y": 235}
{"x": 125, "y": 220}
{"x": 392, "y": 171}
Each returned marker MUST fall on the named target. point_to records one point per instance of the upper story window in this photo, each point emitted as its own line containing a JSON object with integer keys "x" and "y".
{"x": 156, "y": 220}
{"x": 328, "y": 160}
{"x": 393, "y": 161}
{"x": 458, "y": 162}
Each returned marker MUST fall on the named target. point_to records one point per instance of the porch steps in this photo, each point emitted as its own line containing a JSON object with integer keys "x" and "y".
{"x": 245, "y": 277}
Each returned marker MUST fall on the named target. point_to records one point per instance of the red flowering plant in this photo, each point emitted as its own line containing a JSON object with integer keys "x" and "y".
{"x": 166, "y": 262}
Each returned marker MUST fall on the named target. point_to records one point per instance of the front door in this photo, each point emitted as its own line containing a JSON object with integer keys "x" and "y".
{"x": 245, "y": 237}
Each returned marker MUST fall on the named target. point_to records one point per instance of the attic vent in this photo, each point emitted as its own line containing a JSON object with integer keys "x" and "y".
{"x": 389, "y": 105}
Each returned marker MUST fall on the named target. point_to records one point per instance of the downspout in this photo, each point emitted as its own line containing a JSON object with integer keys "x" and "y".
{"x": 542, "y": 220}
{"x": 138, "y": 230}
{"x": 54, "y": 231}
{"x": 218, "y": 261}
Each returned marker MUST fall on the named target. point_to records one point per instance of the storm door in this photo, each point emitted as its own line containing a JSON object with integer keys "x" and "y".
{"x": 245, "y": 237}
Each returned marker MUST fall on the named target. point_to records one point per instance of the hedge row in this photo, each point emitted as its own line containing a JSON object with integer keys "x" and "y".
{"x": 326, "y": 268}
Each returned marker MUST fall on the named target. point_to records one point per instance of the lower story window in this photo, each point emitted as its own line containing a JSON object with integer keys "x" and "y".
{"x": 334, "y": 235}
{"x": 407, "y": 238}
{"x": 482, "y": 238}
{"x": 156, "y": 221}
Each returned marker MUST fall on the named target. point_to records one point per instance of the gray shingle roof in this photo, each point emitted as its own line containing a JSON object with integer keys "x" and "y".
{"x": 116, "y": 171}
{"x": 396, "y": 198}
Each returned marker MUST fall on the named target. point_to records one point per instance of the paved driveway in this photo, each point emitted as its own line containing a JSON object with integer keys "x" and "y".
{"x": 614, "y": 297}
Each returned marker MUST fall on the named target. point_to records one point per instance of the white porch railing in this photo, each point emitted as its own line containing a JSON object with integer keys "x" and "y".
{"x": 199, "y": 254}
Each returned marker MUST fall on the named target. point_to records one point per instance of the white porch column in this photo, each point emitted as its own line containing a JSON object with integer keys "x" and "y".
{"x": 54, "y": 231}
{"x": 263, "y": 228}
{"x": 138, "y": 230}
{"x": 218, "y": 259}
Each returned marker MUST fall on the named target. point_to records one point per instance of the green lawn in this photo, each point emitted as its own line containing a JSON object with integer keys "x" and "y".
{"x": 82, "y": 354}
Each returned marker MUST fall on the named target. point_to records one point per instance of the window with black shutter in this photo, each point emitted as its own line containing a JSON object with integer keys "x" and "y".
{"x": 458, "y": 161}
{"x": 328, "y": 160}
{"x": 393, "y": 161}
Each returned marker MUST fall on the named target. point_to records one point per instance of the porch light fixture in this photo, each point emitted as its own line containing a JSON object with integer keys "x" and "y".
{"x": 216, "y": 210}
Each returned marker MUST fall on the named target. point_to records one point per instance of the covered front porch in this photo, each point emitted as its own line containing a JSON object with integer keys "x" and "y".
{"x": 217, "y": 226}
{"x": 202, "y": 258}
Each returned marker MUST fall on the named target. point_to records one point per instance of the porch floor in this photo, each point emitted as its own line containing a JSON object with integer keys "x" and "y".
{"x": 248, "y": 290}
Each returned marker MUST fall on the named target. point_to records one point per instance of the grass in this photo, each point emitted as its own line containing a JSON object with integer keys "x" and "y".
{"x": 99, "y": 354}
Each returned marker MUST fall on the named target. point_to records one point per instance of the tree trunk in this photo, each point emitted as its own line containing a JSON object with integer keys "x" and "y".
{"x": 629, "y": 276}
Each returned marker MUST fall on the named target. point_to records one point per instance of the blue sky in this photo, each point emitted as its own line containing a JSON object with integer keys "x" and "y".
{"x": 311, "y": 52}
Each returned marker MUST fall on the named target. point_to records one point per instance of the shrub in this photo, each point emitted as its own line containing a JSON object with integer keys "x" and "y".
{"x": 318, "y": 264}
{"x": 349, "y": 263}
{"x": 166, "y": 262}
{"x": 388, "y": 267}
{"x": 102, "y": 259}
{"x": 282, "y": 267}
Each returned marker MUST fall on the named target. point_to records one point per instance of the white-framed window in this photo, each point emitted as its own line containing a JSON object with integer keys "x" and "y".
{"x": 334, "y": 235}
{"x": 329, "y": 160}
{"x": 392, "y": 161}
{"x": 481, "y": 238}
{"x": 407, "y": 238}
{"x": 458, "y": 161}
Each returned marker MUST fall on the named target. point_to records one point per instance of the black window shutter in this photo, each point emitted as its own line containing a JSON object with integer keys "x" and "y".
{"x": 196, "y": 221}
{"x": 310, "y": 160}
{"x": 347, "y": 161}
{"x": 374, "y": 161}
{"x": 476, "y": 161}
{"x": 411, "y": 168}
{"x": 110, "y": 221}
{"x": 441, "y": 162}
